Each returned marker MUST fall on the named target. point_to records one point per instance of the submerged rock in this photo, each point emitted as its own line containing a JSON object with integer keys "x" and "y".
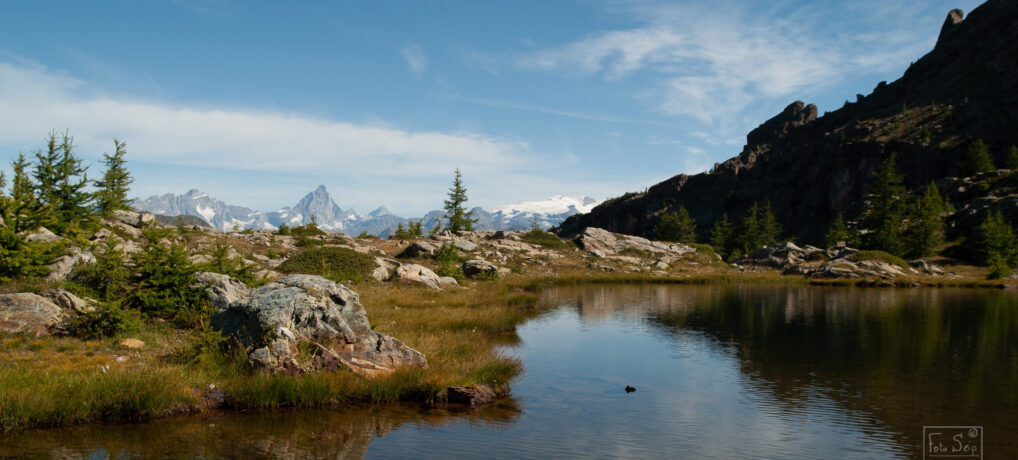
{"x": 303, "y": 323}
{"x": 472, "y": 395}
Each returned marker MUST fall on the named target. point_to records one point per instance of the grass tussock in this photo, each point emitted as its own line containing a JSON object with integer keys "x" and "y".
{"x": 546, "y": 239}
{"x": 335, "y": 263}
{"x": 54, "y": 381}
{"x": 881, "y": 256}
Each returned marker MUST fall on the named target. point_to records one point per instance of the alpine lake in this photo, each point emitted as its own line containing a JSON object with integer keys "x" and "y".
{"x": 720, "y": 371}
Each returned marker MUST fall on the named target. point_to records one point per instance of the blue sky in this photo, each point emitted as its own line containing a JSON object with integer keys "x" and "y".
{"x": 257, "y": 103}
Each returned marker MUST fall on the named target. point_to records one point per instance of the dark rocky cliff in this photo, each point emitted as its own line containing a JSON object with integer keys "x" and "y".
{"x": 811, "y": 168}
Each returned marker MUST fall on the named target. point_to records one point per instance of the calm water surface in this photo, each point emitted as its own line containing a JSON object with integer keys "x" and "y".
{"x": 720, "y": 372}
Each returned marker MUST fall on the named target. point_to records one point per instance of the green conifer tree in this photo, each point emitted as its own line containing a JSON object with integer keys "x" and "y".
{"x": 977, "y": 159}
{"x": 771, "y": 229}
{"x": 995, "y": 237}
{"x": 115, "y": 183}
{"x": 885, "y": 214}
{"x": 750, "y": 232}
{"x": 455, "y": 213}
{"x": 838, "y": 233}
{"x": 676, "y": 226}
{"x": 1012, "y": 158}
{"x": 721, "y": 236}
{"x": 926, "y": 223}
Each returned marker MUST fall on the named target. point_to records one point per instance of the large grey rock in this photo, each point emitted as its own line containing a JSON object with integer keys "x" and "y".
{"x": 64, "y": 264}
{"x": 418, "y": 249}
{"x": 465, "y": 245}
{"x": 43, "y": 235}
{"x": 602, "y": 243}
{"x": 421, "y": 274}
{"x": 134, "y": 219}
{"x": 31, "y": 313}
{"x": 68, "y": 301}
{"x": 222, "y": 289}
{"x": 273, "y": 322}
{"x": 477, "y": 268}
{"x": 384, "y": 268}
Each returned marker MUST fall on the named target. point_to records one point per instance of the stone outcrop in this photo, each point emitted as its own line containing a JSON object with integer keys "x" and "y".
{"x": 68, "y": 301}
{"x": 480, "y": 269}
{"x": 134, "y": 219}
{"x": 65, "y": 264}
{"x": 418, "y": 249}
{"x": 424, "y": 275}
{"x": 30, "y": 313}
{"x": 384, "y": 269}
{"x": 843, "y": 262}
{"x": 303, "y": 323}
{"x": 602, "y": 243}
{"x": 42, "y": 235}
{"x": 222, "y": 289}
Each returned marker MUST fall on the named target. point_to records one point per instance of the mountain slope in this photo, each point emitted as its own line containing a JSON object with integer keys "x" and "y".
{"x": 380, "y": 222}
{"x": 811, "y": 168}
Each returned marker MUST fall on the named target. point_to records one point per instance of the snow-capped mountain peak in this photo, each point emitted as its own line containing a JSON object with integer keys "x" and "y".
{"x": 555, "y": 205}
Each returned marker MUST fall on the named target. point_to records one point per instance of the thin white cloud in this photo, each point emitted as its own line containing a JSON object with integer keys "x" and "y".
{"x": 260, "y": 155}
{"x": 712, "y": 63}
{"x": 487, "y": 102}
{"x": 33, "y": 101}
{"x": 415, "y": 58}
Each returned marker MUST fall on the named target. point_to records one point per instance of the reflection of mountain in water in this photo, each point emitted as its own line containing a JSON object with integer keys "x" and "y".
{"x": 286, "y": 434}
{"x": 903, "y": 358}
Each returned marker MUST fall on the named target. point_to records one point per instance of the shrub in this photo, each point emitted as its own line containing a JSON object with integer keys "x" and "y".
{"x": 977, "y": 159}
{"x": 221, "y": 262}
{"x": 543, "y": 238}
{"x": 164, "y": 283}
{"x": 335, "y": 263}
{"x": 448, "y": 259}
{"x": 108, "y": 276}
{"x": 283, "y": 229}
{"x": 676, "y": 226}
{"x": 107, "y": 320}
{"x": 998, "y": 268}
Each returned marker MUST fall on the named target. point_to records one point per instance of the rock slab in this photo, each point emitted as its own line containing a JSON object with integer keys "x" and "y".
{"x": 30, "y": 313}
{"x": 303, "y": 323}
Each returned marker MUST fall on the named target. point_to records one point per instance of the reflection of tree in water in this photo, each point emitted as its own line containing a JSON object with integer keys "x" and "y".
{"x": 280, "y": 435}
{"x": 903, "y": 358}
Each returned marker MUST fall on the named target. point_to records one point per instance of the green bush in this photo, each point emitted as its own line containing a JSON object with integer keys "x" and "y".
{"x": 108, "y": 276}
{"x": 107, "y": 320}
{"x": 998, "y": 268}
{"x": 335, "y": 263}
{"x": 543, "y": 238}
{"x": 164, "y": 284}
{"x": 449, "y": 263}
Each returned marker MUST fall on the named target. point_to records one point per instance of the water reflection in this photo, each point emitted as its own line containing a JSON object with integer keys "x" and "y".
{"x": 296, "y": 434}
{"x": 892, "y": 359}
{"x": 720, "y": 372}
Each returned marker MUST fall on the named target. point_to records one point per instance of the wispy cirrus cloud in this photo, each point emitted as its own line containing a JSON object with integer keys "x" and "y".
{"x": 711, "y": 63}
{"x": 415, "y": 58}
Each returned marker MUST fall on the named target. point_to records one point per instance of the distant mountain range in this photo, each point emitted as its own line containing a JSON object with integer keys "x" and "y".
{"x": 380, "y": 222}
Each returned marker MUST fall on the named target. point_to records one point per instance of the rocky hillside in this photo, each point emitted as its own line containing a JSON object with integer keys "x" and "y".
{"x": 812, "y": 167}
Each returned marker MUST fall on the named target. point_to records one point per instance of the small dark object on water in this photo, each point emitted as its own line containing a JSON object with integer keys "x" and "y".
{"x": 630, "y": 389}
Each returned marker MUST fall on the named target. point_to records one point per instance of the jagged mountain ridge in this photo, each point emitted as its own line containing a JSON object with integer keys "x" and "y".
{"x": 812, "y": 167}
{"x": 332, "y": 217}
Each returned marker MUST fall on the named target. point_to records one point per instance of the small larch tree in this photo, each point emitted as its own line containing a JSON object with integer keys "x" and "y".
{"x": 115, "y": 183}
{"x": 977, "y": 159}
{"x": 838, "y": 233}
{"x": 1012, "y": 158}
{"x": 721, "y": 235}
{"x": 925, "y": 230}
{"x": 886, "y": 211}
{"x": 676, "y": 226}
{"x": 455, "y": 212}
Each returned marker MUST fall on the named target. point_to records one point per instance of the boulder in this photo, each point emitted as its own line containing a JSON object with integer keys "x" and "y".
{"x": 602, "y": 243}
{"x": 222, "y": 289}
{"x": 277, "y": 320}
{"x": 478, "y": 268}
{"x": 132, "y": 343}
{"x": 420, "y": 274}
{"x": 383, "y": 270}
{"x": 465, "y": 245}
{"x": 68, "y": 301}
{"x": 134, "y": 219}
{"x": 43, "y": 235}
{"x": 31, "y": 313}
{"x": 418, "y": 249}
{"x": 64, "y": 264}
